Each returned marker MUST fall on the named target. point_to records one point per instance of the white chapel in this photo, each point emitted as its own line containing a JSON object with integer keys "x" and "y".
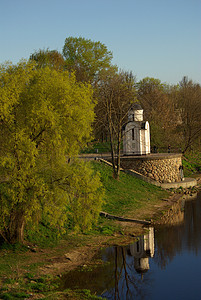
{"x": 136, "y": 133}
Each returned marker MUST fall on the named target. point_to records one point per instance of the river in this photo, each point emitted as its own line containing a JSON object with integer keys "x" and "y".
{"x": 165, "y": 263}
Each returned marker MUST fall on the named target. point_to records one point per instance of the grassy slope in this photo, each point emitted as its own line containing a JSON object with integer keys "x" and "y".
{"x": 126, "y": 196}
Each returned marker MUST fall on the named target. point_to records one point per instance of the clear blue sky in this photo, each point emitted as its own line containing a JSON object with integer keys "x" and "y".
{"x": 155, "y": 38}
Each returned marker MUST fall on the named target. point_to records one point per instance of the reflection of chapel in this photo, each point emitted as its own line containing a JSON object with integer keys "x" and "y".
{"x": 142, "y": 250}
{"x": 136, "y": 133}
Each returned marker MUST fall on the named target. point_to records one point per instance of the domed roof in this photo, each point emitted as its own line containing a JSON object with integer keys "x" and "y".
{"x": 136, "y": 106}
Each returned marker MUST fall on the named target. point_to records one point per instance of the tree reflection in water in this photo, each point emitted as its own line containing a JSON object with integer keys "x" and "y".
{"x": 130, "y": 264}
{"x": 180, "y": 231}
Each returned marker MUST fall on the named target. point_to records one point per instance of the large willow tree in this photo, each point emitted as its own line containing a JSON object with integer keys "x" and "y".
{"x": 45, "y": 117}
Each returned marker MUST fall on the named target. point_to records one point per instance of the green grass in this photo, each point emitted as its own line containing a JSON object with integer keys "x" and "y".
{"x": 26, "y": 285}
{"x": 192, "y": 163}
{"x": 127, "y": 194}
{"x": 45, "y": 287}
{"x": 43, "y": 235}
{"x": 11, "y": 262}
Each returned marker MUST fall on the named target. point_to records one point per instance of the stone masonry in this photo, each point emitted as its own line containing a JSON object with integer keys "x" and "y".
{"x": 163, "y": 168}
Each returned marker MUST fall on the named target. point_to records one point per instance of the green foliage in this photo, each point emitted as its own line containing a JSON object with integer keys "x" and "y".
{"x": 149, "y": 84}
{"x": 45, "y": 116}
{"x": 87, "y": 58}
{"x": 51, "y": 58}
{"x": 85, "y": 196}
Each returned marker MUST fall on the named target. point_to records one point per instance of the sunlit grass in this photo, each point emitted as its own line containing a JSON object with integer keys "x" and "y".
{"x": 126, "y": 194}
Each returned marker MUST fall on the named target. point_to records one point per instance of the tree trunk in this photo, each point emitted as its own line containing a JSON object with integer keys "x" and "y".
{"x": 113, "y": 159}
{"x": 112, "y": 150}
{"x": 19, "y": 232}
{"x": 15, "y": 234}
{"x": 118, "y": 153}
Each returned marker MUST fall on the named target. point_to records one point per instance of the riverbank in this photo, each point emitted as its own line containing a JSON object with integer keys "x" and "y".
{"x": 36, "y": 272}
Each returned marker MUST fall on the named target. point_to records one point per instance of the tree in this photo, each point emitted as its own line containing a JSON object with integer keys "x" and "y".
{"x": 45, "y": 117}
{"x": 158, "y": 110}
{"x": 50, "y": 58}
{"x": 188, "y": 103}
{"x": 85, "y": 195}
{"x": 86, "y": 58}
{"x": 115, "y": 93}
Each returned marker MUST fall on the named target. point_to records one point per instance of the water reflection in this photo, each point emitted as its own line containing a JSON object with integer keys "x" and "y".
{"x": 128, "y": 267}
{"x": 180, "y": 232}
{"x": 142, "y": 250}
{"x": 163, "y": 263}
{"x": 121, "y": 275}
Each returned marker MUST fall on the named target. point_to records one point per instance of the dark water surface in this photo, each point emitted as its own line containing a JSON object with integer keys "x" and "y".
{"x": 163, "y": 264}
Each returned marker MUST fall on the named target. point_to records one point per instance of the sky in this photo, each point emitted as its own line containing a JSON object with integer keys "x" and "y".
{"x": 151, "y": 38}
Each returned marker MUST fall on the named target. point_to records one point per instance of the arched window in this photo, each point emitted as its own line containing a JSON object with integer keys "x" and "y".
{"x": 133, "y": 134}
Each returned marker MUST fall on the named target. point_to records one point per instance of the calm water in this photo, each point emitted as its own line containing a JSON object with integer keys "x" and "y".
{"x": 163, "y": 264}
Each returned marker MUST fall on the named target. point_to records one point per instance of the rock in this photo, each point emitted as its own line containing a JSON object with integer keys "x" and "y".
{"x": 156, "y": 177}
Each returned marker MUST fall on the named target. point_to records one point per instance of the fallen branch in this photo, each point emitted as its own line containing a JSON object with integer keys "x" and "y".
{"x": 106, "y": 215}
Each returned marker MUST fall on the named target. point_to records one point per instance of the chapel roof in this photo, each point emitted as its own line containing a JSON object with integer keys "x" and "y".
{"x": 136, "y": 106}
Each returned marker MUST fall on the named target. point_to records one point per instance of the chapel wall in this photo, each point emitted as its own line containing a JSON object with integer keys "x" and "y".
{"x": 162, "y": 169}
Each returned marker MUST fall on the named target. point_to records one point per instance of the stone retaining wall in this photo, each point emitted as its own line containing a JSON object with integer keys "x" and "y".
{"x": 163, "y": 168}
